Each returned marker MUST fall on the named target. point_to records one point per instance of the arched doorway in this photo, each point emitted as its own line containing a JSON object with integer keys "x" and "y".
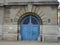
{"x": 30, "y": 28}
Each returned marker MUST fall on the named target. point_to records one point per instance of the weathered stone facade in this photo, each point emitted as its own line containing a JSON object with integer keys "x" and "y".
{"x": 59, "y": 16}
{"x": 12, "y": 11}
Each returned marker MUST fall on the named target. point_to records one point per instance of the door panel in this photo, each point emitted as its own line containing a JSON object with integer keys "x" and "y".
{"x": 35, "y": 32}
{"x": 24, "y": 32}
{"x": 30, "y": 28}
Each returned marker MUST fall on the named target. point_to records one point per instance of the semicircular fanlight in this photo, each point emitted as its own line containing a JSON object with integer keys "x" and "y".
{"x": 26, "y": 21}
{"x": 34, "y": 20}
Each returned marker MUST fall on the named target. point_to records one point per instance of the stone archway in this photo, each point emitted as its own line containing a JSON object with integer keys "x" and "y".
{"x": 24, "y": 11}
{"x": 33, "y": 10}
{"x": 28, "y": 14}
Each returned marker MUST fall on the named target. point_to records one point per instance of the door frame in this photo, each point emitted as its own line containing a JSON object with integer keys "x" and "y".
{"x": 20, "y": 19}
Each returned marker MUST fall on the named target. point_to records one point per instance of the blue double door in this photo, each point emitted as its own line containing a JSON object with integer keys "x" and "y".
{"x": 30, "y": 28}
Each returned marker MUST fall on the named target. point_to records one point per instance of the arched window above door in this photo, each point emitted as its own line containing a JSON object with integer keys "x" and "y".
{"x": 34, "y": 21}
{"x": 26, "y": 20}
{"x": 30, "y": 18}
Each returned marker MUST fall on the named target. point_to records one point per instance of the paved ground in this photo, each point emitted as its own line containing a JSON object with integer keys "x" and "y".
{"x": 26, "y": 43}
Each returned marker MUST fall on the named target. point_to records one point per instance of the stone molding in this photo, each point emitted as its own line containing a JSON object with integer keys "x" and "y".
{"x": 34, "y": 3}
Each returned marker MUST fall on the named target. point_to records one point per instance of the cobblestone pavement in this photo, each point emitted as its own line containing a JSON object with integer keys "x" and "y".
{"x": 26, "y": 43}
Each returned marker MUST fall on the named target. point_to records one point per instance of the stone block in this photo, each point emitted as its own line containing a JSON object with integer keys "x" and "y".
{"x": 19, "y": 37}
{"x": 10, "y": 29}
{"x": 1, "y": 32}
{"x": 51, "y": 39}
{"x": 1, "y": 1}
{"x": 50, "y": 29}
{"x": 10, "y": 37}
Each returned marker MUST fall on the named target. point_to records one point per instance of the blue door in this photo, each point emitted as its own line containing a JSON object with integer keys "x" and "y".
{"x": 30, "y": 28}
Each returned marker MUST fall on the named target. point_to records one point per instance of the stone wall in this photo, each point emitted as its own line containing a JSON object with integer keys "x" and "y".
{"x": 1, "y": 21}
{"x": 1, "y": 1}
{"x": 48, "y": 14}
{"x": 50, "y": 32}
{"x": 13, "y": 13}
{"x": 59, "y": 17}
